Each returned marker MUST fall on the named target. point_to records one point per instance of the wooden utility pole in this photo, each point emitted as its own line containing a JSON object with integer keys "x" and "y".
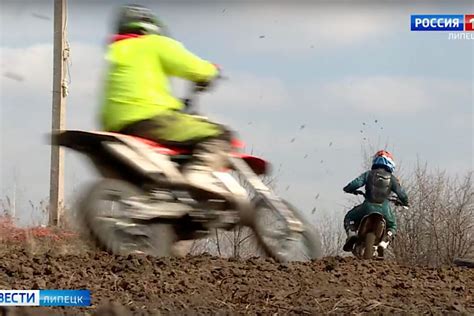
{"x": 56, "y": 191}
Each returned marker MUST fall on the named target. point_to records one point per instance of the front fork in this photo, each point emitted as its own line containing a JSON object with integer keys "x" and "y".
{"x": 268, "y": 197}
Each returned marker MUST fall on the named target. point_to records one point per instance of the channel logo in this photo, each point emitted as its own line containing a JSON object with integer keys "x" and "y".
{"x": 442, "y": 22}
{"x": 469, "y": 22}
{"x": 45, "y": 298}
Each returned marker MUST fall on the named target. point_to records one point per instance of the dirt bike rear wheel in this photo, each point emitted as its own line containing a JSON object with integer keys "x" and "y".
{"x": 113, "y": 231}
{"x": 277, "y": 244}
{"x": 369, "y": 245}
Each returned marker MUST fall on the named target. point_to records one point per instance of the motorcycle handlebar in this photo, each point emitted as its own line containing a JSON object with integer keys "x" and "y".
{"x": 392, "y": 199}
{"x": 197, "y": 87}
{"x": 395, "y": 201}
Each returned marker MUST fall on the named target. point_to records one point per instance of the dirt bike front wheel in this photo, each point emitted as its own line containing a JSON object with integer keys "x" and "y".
{"x": 104, "y": 216}
{"x": 278, "y": 242}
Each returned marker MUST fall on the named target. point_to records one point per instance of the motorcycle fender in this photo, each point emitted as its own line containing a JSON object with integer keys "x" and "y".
{"x": 163, "y": 163}
{"x": 369, "y": 223}
{"x": 131, "y": 157}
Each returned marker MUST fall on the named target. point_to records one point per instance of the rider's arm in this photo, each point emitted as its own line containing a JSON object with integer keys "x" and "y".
{"x": 356, "y": 183}
{"x": 397, "y": 188}
{"x": 179, "y": 62}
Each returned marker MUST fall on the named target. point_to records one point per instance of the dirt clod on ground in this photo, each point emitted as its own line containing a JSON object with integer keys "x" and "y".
{"x": 136, "y": 285}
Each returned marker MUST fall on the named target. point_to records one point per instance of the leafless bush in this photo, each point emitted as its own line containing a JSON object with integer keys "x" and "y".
{"x": 439, "y": 226}
{"x": 237, "y": 243}
{"x": 332, "y": 233}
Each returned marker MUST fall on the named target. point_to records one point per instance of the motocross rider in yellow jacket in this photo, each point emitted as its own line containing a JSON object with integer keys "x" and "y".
{"x": 138, "y": 100}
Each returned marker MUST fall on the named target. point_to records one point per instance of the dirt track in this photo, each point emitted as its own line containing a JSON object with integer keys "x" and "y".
{"x": 207, "y": 285}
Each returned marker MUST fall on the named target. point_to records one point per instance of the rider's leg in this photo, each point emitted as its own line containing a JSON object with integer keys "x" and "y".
{"x": 351, "y": 221}
{"x": 390, "y": 231}
{"x": 209, "y": 155}
{"x": 210, "y": 143}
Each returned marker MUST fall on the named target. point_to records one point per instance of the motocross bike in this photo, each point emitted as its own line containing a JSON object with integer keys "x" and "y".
{"x": 371, "y": 231}
{"x": 143, "y": 204}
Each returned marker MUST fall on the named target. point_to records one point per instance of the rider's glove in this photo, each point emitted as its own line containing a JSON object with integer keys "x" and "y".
{"x": 203, "y": 85}
{"x": 206, "y": 85}
{"x": 218, "y": 68}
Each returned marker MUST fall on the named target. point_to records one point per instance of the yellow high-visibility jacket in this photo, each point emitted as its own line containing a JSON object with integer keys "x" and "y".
{"x": 137, "y": 85}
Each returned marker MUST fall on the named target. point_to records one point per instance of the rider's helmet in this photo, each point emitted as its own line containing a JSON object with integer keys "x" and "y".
{"x": 383, "y": 159}
{"x": 137, "y": 19}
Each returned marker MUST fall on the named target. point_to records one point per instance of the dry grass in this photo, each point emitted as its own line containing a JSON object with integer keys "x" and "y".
{"x": 39, "y": 239}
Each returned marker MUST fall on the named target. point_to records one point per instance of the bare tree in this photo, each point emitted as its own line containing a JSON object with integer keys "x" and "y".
{"x": 332, "y": 233}
{"x": 439, "y": 226}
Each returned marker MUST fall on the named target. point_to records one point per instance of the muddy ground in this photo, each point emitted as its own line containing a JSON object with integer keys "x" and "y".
{"x": 207, "y": 285}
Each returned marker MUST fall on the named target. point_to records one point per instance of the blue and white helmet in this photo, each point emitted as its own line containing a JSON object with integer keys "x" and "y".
{"x": 384, "y": 159}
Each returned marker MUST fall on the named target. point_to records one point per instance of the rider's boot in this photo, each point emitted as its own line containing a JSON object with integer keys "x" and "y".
{"x": 351, "y": 239}
{"x": 210, "y": 155}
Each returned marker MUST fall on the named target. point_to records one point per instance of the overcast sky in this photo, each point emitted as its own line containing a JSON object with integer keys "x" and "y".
{"x": 309, "y": 85}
